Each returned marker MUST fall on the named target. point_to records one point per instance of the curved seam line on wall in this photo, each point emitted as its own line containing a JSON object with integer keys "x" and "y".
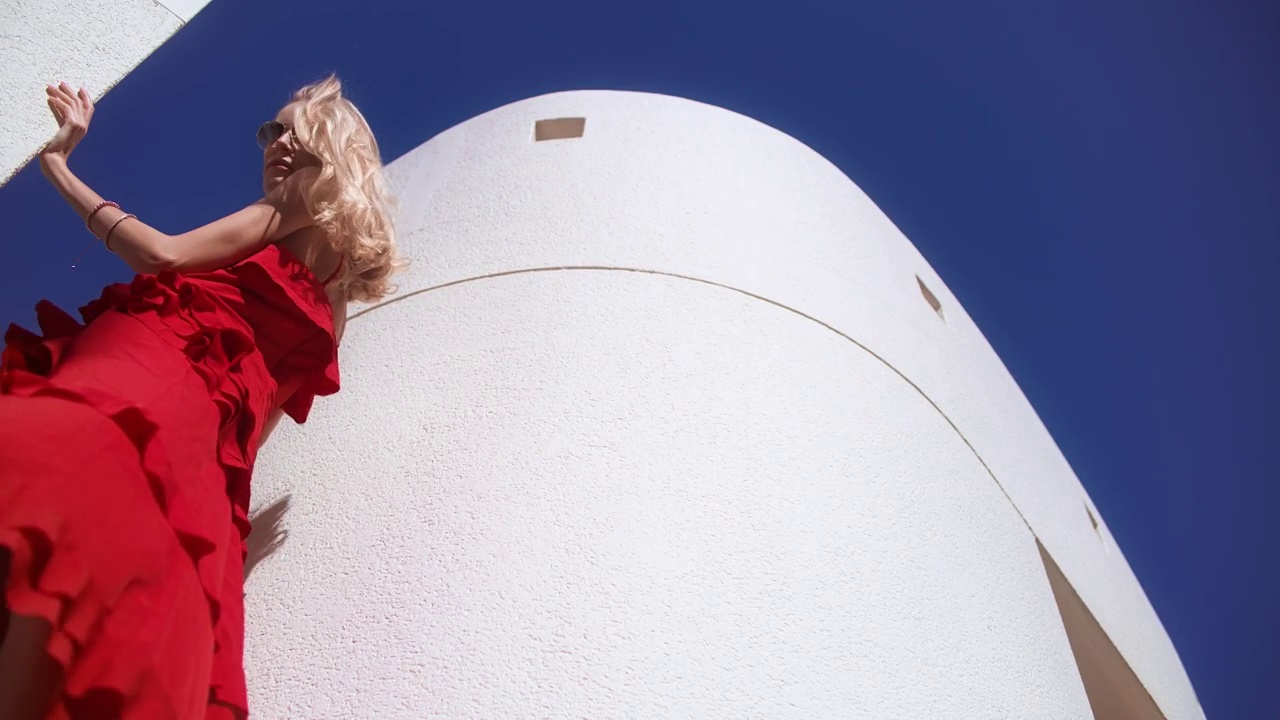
{"x": 740, "y": 291}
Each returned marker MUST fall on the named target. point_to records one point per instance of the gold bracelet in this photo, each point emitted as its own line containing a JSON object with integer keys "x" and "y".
{"x": 107, "y": 239}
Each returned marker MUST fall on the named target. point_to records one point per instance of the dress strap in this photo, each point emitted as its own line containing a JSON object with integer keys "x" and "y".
{"x": 335, "y": 272}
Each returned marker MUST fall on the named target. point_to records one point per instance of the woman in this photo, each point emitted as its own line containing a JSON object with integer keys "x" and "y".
{"x": 126, "y": 444}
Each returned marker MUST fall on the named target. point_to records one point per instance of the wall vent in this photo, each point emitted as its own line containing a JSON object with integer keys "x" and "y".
{"x": 559, "y": 128}
{"x": 930, "y": 298}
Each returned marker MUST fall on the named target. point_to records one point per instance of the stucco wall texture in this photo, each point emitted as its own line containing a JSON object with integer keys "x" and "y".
{"x": 660, "y": 424}
{"x": 92, "y": 44}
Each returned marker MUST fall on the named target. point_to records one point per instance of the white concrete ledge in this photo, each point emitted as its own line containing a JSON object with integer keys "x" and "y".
{"x": 92, "y": 44}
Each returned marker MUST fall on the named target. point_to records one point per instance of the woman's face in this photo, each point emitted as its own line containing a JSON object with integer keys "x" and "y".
{"x": 285, "y": 155}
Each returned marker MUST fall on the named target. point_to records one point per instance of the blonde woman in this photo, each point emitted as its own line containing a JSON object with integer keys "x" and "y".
{"x": 127, "y": 443}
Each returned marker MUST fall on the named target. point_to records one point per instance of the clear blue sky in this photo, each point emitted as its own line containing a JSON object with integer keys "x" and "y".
{"x": 1097, "y": 181}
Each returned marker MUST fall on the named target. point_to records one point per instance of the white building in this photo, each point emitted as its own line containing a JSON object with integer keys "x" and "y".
{"x": 91, "y": 43}
{"x": 668, "y": 420}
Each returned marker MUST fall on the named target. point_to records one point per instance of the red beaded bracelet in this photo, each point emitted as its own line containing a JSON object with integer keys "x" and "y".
{"x": 89, "y": 218}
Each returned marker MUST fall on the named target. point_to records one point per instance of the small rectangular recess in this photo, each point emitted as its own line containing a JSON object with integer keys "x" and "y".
{"x": 930, "y": 298}
{"x": 559, "y": 128}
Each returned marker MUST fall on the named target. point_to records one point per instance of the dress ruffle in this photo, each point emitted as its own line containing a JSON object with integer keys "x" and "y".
{"x": 50, "y": 581}
{"x": 50, "y": 575}
{"x": 224, "y": 358}
{"x": 245, "y": 332}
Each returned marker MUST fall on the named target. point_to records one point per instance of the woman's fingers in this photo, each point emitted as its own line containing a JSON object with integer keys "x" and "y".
{"x": 69, "y": 102}
{"x": 68, "y": 95}
{"x": 71, "y": 108}
{"x": 56, "y": 92}
{"x": 66, "y": 113}
{"x": 87, "y": 102}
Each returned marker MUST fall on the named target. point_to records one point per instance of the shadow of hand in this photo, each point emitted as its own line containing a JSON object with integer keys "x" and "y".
{"x": 268, "y": 533}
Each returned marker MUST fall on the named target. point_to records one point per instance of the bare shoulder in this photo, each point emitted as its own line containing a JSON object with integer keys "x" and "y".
{"x": 312, "y": 247}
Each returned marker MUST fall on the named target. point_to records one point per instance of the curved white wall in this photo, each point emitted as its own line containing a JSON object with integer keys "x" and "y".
{"x": 94, "y": 44}
{"x": 660, "y": 425}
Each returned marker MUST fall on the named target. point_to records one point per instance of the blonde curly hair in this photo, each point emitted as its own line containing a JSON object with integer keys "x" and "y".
{"x": 349, "y": 199}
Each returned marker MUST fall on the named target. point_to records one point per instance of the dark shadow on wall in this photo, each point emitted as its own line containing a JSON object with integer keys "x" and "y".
{"x": 1115, "y": 692}
{"x": 268, "y": 533}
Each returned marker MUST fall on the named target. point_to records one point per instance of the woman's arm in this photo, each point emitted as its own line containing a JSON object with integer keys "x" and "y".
{"x": 283, "y": 393}
{"x": 218, "y": 244}
{"x": 272, "y": 420}
{"x": 145, "y": 249}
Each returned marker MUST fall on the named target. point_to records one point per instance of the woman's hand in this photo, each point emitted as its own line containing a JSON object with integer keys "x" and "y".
{"x": 73, "y": 110}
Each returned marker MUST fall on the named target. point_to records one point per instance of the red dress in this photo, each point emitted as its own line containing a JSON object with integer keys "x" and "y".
{"x": 126, "y": 446}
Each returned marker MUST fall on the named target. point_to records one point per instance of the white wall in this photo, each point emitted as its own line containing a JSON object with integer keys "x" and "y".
{"x": 94, "y": 44}
{"x": 758, "y": 477}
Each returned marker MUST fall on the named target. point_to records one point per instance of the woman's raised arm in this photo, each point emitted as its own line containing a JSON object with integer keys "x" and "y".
{"x": 146, "y": 249}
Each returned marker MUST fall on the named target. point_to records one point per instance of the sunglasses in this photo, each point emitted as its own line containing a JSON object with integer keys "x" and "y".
{"x": 271, "y": 131}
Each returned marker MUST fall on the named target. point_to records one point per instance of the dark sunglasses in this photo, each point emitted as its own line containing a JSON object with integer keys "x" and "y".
{"x": 271, "y": 131}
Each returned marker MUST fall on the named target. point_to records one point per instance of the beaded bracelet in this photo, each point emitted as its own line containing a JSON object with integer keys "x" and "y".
{"x": 107, "y": 239}
{"x": 89, "y": 218}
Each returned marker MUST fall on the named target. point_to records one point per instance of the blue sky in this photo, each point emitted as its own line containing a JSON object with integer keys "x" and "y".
{"x": 1098, "y": 183}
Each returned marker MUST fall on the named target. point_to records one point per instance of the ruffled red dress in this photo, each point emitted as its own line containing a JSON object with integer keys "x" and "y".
{"x": 126, "y": 447}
